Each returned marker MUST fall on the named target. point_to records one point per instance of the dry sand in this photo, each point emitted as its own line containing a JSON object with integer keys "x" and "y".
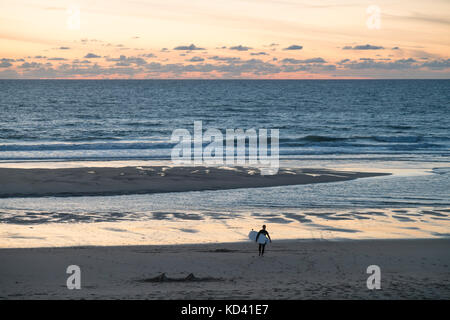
{"x": 414, "y": 269}
{"x": 134, "y": 180}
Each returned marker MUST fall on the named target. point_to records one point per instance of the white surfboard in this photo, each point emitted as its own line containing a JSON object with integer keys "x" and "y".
{"x": 262, "y": 239}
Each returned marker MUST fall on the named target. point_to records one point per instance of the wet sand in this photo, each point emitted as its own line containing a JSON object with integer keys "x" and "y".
{"x": 410, "y": 269}
{"x": 141, "y": 180}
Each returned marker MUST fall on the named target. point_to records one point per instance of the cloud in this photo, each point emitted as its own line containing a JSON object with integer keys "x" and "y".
{"x": 69, "y": 71}
{"x": 437, "y": 64}
{"x": 240, "y": 48}
{"x": 5, "y": 64}
{"x": 124, "y": 61}
{"x": 57, "y": 59}
{"x": 312, "y": 68}
{"x": 196, "y": 59}
{"x": 258, "y": 53}
{"x": 91, "y": 56}
{"x": 9, "y": 74}
{"x": 225, "y": 59}
{"x": 296, "y": 61}
{"x": 225, "y": 67}
{"x": 229, "y": 69}
{"x": 294, "y": 47}
{"x": 396, "y": 69}
{"x": 188, "y": 48}
{"x": 34, "y": 65}
{"x": 401, "y": 64}
{"x": 148, "y": 55}
{"x": 363, "y": 47}
{"x": 81, "y": 62}
{"x": 344, "y": 61}
{"x": 64, "y": 48}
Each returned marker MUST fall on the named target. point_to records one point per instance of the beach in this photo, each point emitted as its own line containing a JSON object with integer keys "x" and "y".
{"x": 174, "y": 205}
{"x": 137, "y": 180}
{"x": 410, "y": 269}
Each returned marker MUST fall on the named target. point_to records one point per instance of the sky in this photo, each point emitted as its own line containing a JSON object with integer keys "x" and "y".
{"x": 224, "y": 39}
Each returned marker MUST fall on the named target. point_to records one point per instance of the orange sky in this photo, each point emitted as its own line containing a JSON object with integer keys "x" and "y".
{"x": 225, "y": 39}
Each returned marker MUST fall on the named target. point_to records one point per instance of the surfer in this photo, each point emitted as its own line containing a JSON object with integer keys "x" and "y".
{"x": 264, "y": 232}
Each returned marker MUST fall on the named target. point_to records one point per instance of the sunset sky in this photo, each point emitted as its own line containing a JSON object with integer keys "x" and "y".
{"x": 289, "y": 39}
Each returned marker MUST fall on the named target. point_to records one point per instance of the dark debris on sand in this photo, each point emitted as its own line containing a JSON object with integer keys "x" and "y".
{"x": 189, "y": 278}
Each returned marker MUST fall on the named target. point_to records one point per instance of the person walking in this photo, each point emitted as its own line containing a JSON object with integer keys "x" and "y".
{"x": 262, "y": 246}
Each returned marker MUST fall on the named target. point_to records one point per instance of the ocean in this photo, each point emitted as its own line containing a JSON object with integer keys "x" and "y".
{"x": 133, "y": 119}
{"x": 397, "y": 126}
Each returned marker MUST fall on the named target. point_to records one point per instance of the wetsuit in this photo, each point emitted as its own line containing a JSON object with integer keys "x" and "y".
{"x": 262, "y": 246}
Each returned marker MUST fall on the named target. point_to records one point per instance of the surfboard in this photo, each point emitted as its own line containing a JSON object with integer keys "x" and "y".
{"x": 262, "y": 239}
